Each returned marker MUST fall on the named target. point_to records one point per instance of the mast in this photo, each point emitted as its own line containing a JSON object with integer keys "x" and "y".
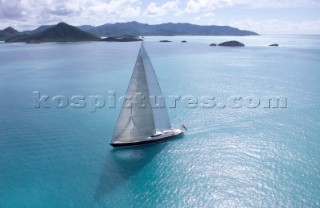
{"x": 161, "y": 116}
{"x": 142, "y": 119}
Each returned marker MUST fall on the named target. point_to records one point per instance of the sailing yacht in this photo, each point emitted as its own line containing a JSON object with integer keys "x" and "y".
{"x": 142, "y": 121}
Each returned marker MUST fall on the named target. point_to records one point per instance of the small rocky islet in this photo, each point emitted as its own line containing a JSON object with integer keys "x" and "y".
{"x": 232, "y": 43}
{"x": 235, "y": 43}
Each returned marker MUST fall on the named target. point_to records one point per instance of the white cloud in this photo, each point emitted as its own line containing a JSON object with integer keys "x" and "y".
{"x": 195, "y": 6}
{"x": 131, "y": 12}
{"x": 115, "y": 10}
{"x": 275, "y": 26}
{"x": 277, "y": 3}
{"x": 10, "y": 9}
{"x": 209, "y": 15}
{"x": 77, "y": 12}
{"x": 154, "y": 10}
{"x": 28, "y": 14}
{"x": 208, "y": 18}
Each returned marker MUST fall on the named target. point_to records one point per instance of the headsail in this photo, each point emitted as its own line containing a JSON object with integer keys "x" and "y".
{"x": 142, "y": 119}
{"x": 160, "y": 113}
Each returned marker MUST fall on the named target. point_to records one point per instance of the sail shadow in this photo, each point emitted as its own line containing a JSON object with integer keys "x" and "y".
{"x": 123, "y": 163}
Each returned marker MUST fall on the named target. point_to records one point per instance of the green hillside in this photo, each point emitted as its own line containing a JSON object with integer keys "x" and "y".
{"x": 62, "y": 32}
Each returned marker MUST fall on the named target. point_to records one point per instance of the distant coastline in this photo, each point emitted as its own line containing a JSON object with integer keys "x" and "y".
{"x": 117, "y": 32}
{"x": 63, "y": 32}
{"x": 166, "y": 29}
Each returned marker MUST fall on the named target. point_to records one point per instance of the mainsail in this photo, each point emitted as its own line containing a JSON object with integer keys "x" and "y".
{"x": 144, "y": 116}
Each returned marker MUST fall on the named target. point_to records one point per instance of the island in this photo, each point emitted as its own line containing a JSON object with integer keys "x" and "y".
{"x": 122, "y": 39}
{"x": 7, "y": 33}
{"x": 274, "y": 45}
{"x": 213, "y": 44}
{"x": 62, "y": 32}
{"x": 165, "y": 29}
{"x": 184, "y": 41}
{"x": 165, "y": 41}
{"x": 232, "y": 43}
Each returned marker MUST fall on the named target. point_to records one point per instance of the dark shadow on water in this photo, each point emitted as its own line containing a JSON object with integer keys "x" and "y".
{"x": 123, "y": 163}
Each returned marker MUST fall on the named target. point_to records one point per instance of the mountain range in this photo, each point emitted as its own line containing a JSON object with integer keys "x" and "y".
{"x": 61, "y": 32}
{"x": 166, "y": 29}
{"x": 65, "y": 32}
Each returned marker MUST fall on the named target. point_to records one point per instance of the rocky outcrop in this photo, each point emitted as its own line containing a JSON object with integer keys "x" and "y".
{"x": 232, "y": 43}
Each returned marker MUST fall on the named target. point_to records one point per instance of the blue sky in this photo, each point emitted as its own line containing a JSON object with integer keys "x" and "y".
{"x": 264, "y": 17}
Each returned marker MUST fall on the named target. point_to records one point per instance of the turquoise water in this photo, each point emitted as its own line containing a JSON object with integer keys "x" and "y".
{"x": 230, "y": 157}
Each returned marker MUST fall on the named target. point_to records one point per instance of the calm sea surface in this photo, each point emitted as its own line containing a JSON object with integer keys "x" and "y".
{"x": 230, "y": 157}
